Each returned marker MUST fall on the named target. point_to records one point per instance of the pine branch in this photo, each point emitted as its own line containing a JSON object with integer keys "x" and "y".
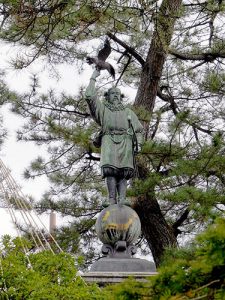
{"x": 168, "y": 98}
{"x": 124, "y": 69}
{"x": 128, "y": 48}
{"x": 61, "y": 110}
{"x": 206, "y": 56}
{"x": 180, "y": 221}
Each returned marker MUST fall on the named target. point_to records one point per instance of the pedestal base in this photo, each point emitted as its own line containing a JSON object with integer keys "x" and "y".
{"x": 107, "y": 264}
{"x": 104, "y": 278}
{"x": 118, "y": 227}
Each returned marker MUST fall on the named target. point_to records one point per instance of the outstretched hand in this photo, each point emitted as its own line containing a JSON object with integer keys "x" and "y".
{"x": 95, "y": 74}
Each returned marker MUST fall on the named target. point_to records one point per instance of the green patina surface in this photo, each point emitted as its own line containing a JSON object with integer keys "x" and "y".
{"x": 118, "y": 223}
{"x": 118, "y": 125}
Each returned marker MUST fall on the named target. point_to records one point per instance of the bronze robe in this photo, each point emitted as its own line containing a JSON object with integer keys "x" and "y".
{"x": 120, "y": 127}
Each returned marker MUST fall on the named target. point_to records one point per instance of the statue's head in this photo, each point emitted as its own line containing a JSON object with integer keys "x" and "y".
{"x": 114, "y": 95}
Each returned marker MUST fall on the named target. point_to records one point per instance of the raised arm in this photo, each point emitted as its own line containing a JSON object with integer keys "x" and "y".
{"x": 90, "y": 93}
{"x": 95, "y": 106}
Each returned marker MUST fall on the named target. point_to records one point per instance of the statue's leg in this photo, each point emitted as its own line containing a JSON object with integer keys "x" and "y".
{"x": 111, "y": 186}
{"x": 122, "y": 189}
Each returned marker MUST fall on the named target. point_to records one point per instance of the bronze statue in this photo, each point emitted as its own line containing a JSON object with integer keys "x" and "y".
{"x": 121, "y": 138}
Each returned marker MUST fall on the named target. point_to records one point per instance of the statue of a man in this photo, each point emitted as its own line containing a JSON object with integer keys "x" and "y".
{"x": 122, "y": 137}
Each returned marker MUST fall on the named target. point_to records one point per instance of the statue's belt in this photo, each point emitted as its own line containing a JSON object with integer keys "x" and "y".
{"x": 119, "y": 132}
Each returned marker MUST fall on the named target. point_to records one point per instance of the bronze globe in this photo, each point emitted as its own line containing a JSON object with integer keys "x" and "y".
{"x": 118, "y": 223}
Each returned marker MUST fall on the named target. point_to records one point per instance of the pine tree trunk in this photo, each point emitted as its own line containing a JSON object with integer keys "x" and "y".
{"x": 152, "y": 70}
{"x": 157, "y": 232}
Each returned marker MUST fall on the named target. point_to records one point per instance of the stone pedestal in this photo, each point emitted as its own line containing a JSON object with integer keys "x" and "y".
{"x": 118, "y": 227}
{"x": 104, "y": 278}
{"x": 107, "y": 264}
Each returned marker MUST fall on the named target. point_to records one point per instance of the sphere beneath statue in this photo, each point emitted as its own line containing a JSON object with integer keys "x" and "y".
{"x": 118, "y": 223}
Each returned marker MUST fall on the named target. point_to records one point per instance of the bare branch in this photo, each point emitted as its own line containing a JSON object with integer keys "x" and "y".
{"x": 180, "y": 221}
{"x": 128, "y": 48}
{"x": 207, "y": 56}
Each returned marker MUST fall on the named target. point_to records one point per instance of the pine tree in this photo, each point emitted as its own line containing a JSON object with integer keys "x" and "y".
{"x": 171, "y": 53}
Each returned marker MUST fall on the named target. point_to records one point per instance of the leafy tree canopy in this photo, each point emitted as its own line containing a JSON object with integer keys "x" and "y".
{"x": 42, "y": 275}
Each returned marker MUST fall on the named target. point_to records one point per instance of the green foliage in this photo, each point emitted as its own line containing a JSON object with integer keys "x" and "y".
{"x": 6, "y": 96}
{"x": 201, "y": 202}
{"x": 42, "y": 275}
{"x": 130, "y": 289}
{"x": 214, "y": 82}
{"x": 196, "y": 272}
{"x": 47, "y": 25}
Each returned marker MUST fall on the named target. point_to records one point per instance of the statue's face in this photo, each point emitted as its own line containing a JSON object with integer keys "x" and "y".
{"x": 114, "y": 95}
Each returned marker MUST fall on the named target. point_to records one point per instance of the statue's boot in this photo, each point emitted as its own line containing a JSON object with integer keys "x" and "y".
{"x": 124, "y": 202}
{"x": 111, "y": 186}
{"x": 108, "y": 202}
{"x": 122, "y": 189}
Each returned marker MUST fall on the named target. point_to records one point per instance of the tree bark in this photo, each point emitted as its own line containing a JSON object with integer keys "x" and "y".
{"x": 158, "y": 233}
{"x": 152, "y": 70}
